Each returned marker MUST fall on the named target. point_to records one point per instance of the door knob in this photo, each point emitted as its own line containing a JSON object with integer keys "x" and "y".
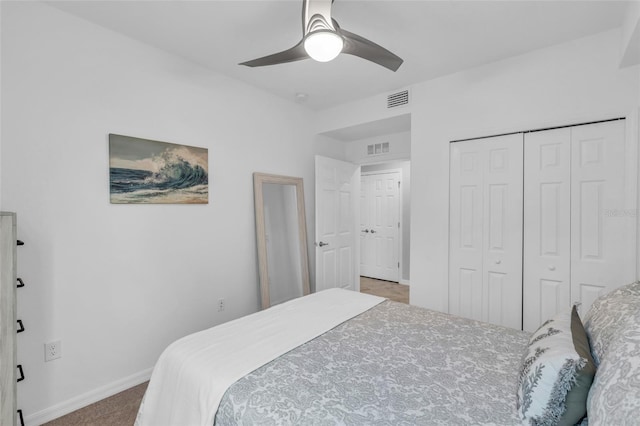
{"x": 321, "y": 244}
{"x": 366, "y": 230}
{"x": 498, "y": 262}
{"x": 551, "y": 267}
{"x": 373, "y": 231}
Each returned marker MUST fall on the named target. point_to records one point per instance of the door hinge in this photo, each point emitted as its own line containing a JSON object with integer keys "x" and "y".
{"x": 398, "y": 225}
{"x": 398, "y": 265}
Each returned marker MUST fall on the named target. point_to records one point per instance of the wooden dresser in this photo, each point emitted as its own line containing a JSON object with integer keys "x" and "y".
{"x": 8, "y": 320}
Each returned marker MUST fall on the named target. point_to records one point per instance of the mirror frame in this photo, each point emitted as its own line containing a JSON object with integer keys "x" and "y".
{"x": 260, "y": 179}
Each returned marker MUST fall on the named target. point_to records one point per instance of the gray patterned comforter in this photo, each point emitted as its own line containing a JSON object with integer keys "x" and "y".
{"x": 392, "y": 365}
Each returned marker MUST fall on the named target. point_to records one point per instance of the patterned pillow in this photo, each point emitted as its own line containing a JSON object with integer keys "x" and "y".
{"x": 608, "y": 316}
{"x": 614, "y": 398}
{"x": 556, "y": 373}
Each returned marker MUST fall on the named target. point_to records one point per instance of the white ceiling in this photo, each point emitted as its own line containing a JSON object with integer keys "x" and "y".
{"x": 434, "y": 38}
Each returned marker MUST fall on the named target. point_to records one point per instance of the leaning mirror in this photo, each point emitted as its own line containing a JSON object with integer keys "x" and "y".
{"x": 281, "y": 237}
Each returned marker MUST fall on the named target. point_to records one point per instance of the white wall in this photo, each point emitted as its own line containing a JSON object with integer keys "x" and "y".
{"x": 117, "y": 283}
{"x": 630, "y": 46}
{"x": 570, "y": 83}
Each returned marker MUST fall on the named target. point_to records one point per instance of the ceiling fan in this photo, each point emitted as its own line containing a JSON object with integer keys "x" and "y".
{"x": 323, "y": 40}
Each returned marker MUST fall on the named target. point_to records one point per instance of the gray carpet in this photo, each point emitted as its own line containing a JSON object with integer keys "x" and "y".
{"x": 118, "y": 410}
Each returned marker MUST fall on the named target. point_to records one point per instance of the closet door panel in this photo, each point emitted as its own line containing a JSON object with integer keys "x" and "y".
{"x": 502, "y": 225}
{"x": 547, "y": 213}
{"x": 465, "y": 225}
{"x": 602, "y": 247}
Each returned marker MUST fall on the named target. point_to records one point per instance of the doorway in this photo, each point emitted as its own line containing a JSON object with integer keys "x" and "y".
{"x": 375, "y": 148}
{"x": 380, "y": 236}
{"x": 385, "y": 221}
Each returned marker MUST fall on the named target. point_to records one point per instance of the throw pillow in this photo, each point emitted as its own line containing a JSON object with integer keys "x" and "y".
{"x": 556, "y": 373}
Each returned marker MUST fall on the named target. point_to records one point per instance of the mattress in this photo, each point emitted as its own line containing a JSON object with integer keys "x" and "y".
{"x": 194, "y": 372}
{"x": 394, "y": 364}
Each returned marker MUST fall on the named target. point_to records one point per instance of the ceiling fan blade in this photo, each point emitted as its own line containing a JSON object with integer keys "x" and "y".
{"x": 296, "y": 53}
{"x": 366, "y": 49}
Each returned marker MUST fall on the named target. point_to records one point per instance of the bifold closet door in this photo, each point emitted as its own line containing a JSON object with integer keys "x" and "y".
{"x": 578, "y": 240}
{"x": 485, "y": 241}
{"x": 465, "y": 229}
{"x": 602, "y": 234}
{"x": 547, "y": 225}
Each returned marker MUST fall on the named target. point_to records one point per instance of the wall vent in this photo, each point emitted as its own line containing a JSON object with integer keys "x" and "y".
{"x": 398, "y": 99}
{"x": 378, "y": 148}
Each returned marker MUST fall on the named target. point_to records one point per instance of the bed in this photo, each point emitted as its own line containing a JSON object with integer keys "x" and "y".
{"x": 340, "y": 357}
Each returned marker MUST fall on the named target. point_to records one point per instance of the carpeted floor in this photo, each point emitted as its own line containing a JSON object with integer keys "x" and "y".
{"x": 121, "y": 409}
{"x": 118, "y": 410}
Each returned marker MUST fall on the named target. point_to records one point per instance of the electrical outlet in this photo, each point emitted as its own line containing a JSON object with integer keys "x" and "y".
{"x": 52, "y": 350}
{"x": 220, "y": 305}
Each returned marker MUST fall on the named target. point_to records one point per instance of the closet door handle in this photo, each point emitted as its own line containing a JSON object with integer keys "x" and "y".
{"x": 498, "y": 262}
{"x": 321, "y": 244}
{"x": 551, "y": 267}
{"x": 373, "y": 231}
{"x": 21, "y": 378}
{"x": 20, "y": 243}
{"x": 20, "y": 283}
{"x": 365, "y": 230}
{"x": 21, "y": 329}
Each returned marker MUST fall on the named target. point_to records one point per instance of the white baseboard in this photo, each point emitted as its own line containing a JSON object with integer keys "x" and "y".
{"x": 87, "y": 398}
{"x": 404, "y": 282}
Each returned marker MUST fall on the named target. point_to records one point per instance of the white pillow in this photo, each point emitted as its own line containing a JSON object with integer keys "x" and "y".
{"x": 556, "y": 373}
{"x": 614, "y": 398}
{"x": 609, "y": 315}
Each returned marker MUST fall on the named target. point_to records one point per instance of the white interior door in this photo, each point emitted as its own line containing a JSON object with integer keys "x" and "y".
{"x": 367, "y": 255}
{"x": 547, "y": 224}
{"x": 485, "y": 269}
{"x": 380, "y": 226}
{"x": 337, "y": 189}
{"x": 602, "y": 240}
{"x": 465, "y": 229}
{"x": 503, "y": 231}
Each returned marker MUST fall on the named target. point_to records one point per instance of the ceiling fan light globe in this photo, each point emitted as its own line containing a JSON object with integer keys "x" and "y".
{"x": 323, "y": 46}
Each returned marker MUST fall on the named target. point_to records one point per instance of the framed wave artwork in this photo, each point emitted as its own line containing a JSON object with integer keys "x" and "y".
{"x": 153, "y": 172}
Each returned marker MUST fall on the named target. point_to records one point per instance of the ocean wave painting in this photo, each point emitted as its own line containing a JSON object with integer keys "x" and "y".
{"x": 147, "y": 171}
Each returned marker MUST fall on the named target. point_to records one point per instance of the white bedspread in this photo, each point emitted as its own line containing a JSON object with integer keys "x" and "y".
{"x": 194, "y": 372}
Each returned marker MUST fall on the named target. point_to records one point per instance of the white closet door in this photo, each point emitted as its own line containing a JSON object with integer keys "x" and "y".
{"x": 602, "y": 249}
{"x": 465, "y": 227}
{"x": 485, "y": 274}
{"x": 502, "y": 278}
{"x": 547, "y": 212}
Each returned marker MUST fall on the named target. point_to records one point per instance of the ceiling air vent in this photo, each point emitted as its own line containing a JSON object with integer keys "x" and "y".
{"x": 398, "y": 99}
